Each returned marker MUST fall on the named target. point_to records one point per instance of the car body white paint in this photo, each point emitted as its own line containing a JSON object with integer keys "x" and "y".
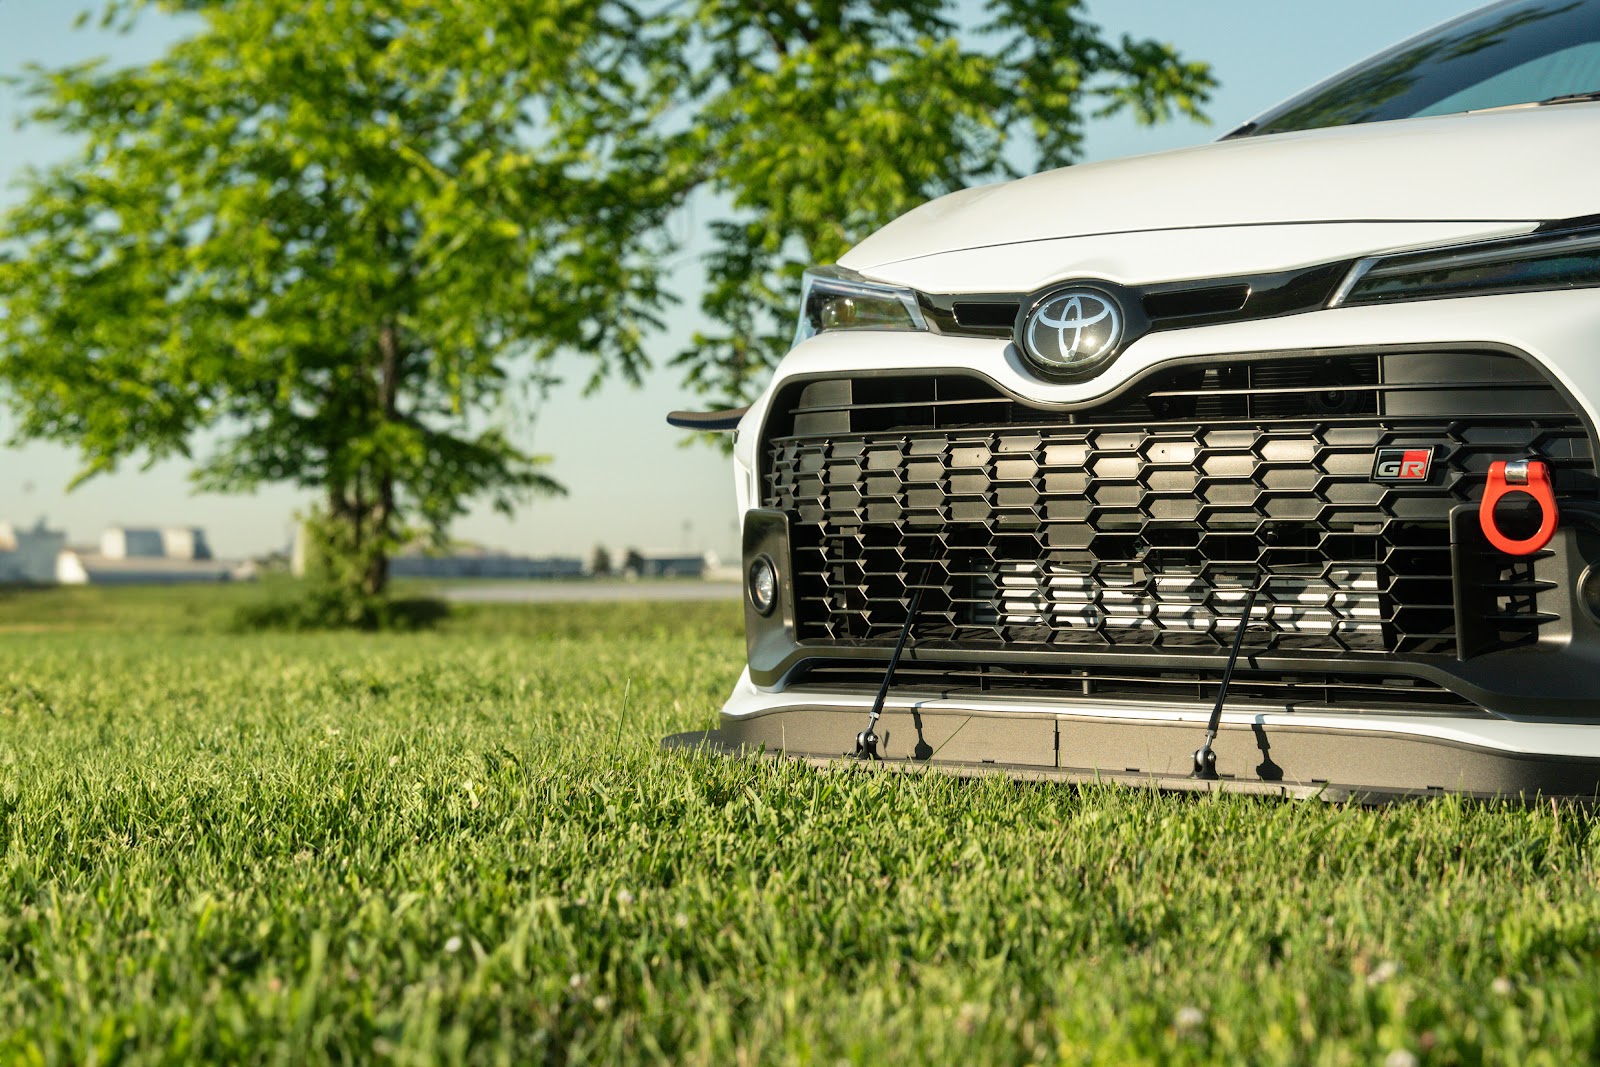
{"x": 1498, "y": 166}
{"x": 1175, "y": 255}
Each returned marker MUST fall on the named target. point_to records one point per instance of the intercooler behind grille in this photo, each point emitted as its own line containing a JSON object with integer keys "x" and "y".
{"x": 1323, "y": 601}
{"x": 1144, "y": 521}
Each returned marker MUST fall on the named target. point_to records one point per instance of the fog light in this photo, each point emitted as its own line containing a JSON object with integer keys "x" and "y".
{"x": 763, "y": 584}
{"x": 1589, "y": 592}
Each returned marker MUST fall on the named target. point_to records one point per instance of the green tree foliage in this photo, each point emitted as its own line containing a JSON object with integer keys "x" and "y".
{"x": 821, "y": 121}
{"x": 335, "y": 240}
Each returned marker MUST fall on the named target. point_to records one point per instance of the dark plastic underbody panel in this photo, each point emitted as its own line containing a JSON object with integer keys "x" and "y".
{"x": 1331, "y": 764}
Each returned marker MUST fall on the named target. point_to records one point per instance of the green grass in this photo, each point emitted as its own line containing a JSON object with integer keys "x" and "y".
{"x": 465, "y": 846}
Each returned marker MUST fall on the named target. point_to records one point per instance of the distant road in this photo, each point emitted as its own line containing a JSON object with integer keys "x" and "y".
{"x": 533, "y": 592}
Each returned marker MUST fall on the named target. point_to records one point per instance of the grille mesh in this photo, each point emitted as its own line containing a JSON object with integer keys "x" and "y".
{"x": 1142, "y": 523}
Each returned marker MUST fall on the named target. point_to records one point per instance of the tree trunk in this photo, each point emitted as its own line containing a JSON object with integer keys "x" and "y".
{"x": 375, "y": 581}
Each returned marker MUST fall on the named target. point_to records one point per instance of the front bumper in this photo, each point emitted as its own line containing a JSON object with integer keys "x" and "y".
{"x": 1365, "y": 757}
{"x": 1525, "y": 720}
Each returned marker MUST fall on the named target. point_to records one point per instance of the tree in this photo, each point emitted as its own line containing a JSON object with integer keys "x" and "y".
{"x": 820, "y": 121}
{"x": 340, "y": 238}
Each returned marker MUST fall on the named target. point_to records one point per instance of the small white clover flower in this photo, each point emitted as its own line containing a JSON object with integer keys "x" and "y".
{"x": 1188, "y": 1018}
{"x": 1383, "y": 972}
{"x": 453, "y": 945}
{"x": 1400, "y": 1057}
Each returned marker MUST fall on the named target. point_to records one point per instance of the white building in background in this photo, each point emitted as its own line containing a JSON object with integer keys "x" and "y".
{"x": 131, "y": 555}
{"x": 459, "y": 561}
{"x": 472, "y": 562}
{"x": 169, "y": 542}
{"x": 29, "y": 556}
{"x": 646, "y": 564}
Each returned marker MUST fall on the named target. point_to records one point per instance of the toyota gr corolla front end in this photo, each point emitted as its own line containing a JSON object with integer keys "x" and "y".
{"x": 1269, "y": 462}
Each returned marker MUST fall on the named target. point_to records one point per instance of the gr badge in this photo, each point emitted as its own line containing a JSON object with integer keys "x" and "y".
{"x": 1402, "y": 465}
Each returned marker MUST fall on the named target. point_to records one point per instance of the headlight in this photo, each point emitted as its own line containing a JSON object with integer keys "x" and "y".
{"x": 833, "y": 298}
{"x": 1565, "y": 260}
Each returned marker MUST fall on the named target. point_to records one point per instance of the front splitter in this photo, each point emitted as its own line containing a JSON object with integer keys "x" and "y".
{"x": 1326, "y": 761}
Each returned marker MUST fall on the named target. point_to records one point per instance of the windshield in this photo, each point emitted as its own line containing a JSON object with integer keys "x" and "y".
{"x": 1519, "y": 52}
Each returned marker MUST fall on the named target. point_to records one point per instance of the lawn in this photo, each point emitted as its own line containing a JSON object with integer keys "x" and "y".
{"x": 466, "y": 846}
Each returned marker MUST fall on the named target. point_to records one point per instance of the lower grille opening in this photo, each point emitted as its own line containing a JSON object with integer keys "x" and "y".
{"x": 1384, "y": 587}
{"x": 1301, "y": 691}
{"x": 1140, "y": 524}
{"x": 1146, "y": 520}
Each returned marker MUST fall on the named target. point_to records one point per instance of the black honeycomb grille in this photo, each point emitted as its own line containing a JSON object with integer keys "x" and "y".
{"x": 1144, "y": 522}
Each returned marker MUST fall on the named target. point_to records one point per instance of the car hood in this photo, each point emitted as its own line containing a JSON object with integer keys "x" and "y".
{"x": 1490, "y": 168}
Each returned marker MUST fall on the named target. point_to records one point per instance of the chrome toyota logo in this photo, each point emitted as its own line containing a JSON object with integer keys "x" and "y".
{"x": 1073, "y": 330}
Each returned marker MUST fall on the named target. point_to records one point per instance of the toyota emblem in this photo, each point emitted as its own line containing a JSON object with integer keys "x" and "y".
{"x": 1073, "y": 330}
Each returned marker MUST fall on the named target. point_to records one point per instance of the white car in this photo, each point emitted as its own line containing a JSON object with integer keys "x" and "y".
{"x": 1267, "y": 462}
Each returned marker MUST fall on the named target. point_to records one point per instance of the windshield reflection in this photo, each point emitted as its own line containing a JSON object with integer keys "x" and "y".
{"x": 1406, "y": 80}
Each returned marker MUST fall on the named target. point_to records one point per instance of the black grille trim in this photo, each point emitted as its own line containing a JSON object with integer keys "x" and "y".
{"x": 1169, "y": 305}
{"x": 1301, "y": 691}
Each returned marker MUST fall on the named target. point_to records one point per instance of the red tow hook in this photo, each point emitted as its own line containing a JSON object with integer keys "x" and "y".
{"x": 1529, "y": 476}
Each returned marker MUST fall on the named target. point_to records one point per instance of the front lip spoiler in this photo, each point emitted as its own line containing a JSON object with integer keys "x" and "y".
{"x": 1321, "y": 762}
{"x": 714, "y": 743}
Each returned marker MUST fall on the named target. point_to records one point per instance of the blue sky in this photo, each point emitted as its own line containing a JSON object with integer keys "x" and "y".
{"x": 631, "y": 482}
